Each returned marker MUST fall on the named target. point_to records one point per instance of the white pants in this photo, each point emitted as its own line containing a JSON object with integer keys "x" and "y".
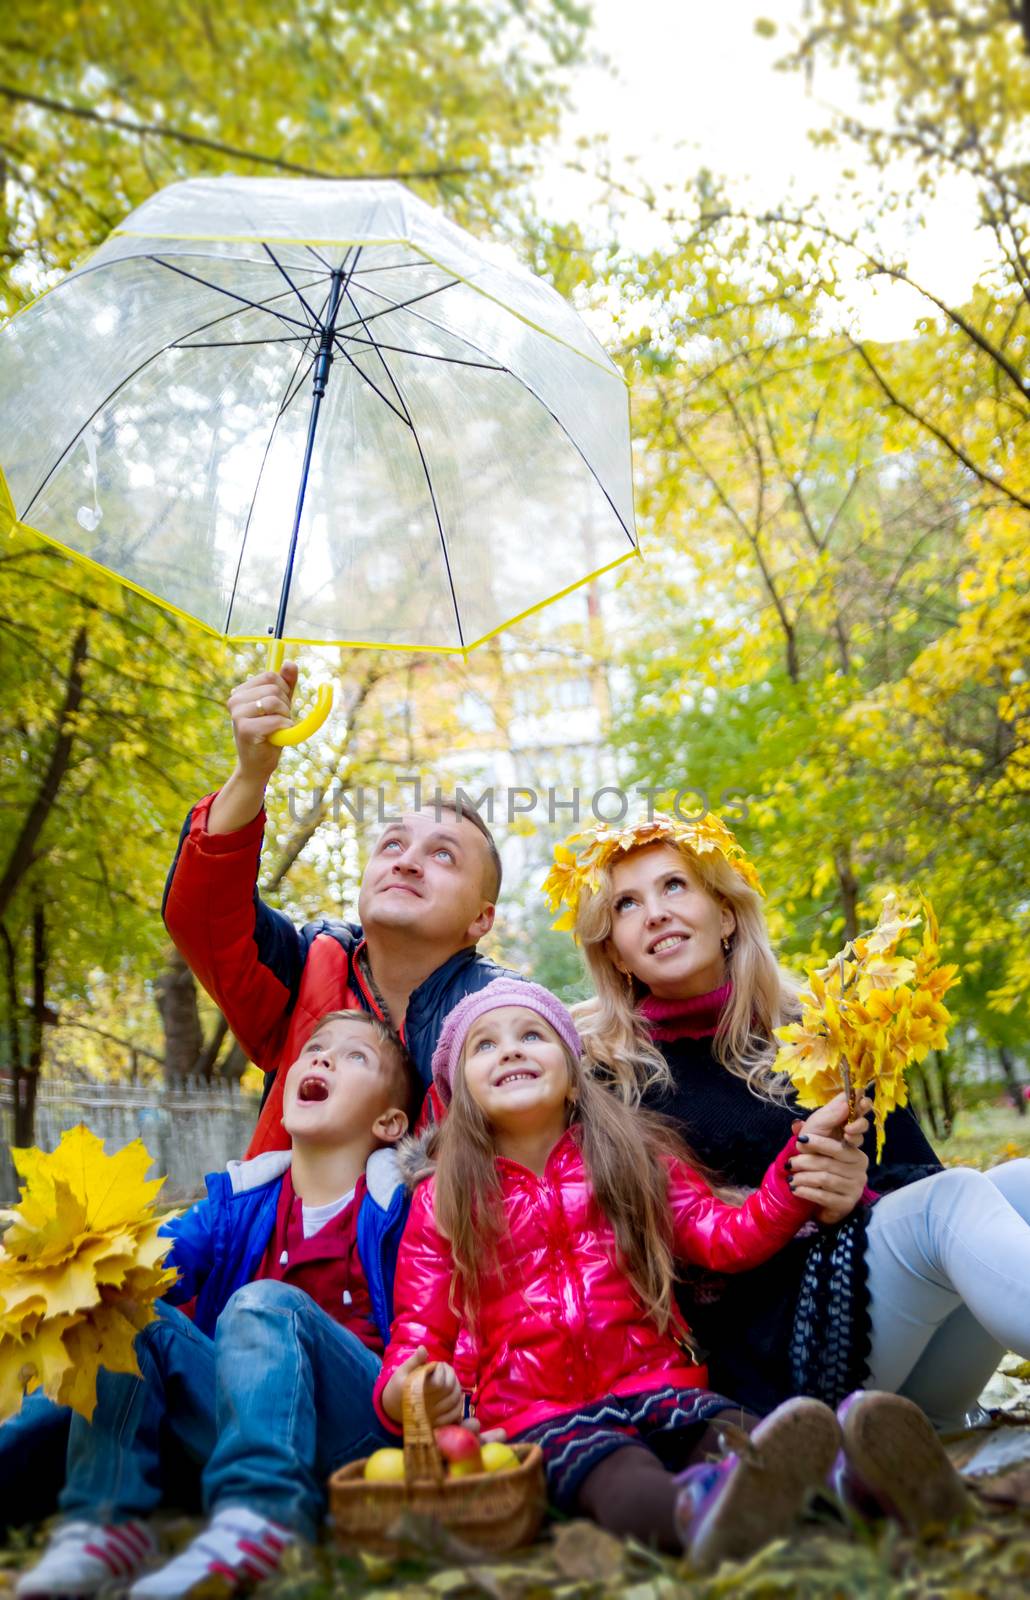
{"x": 948, "y": 1263}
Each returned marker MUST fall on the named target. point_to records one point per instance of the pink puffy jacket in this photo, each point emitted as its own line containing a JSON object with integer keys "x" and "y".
{"x": 560, "y": 1325}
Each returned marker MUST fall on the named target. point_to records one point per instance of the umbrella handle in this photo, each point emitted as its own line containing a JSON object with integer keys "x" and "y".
{"x": 316, "y": 716}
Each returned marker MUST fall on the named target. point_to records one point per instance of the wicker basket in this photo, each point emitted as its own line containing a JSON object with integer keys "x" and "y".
{"x": 490, "y": 1510}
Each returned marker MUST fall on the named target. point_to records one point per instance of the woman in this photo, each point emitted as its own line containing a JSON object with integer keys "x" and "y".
{"x": 916, "y": 1279}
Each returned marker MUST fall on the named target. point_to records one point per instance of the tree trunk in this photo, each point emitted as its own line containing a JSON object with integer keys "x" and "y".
{"x": 206, "y": 1068}
{"x": 176, "y": 993}
{"x": 234, "y": 1065}
{"x": 27, "y": 1078}
{"x": 1008, "y": 1067}
{"x": 24, "y": 852}
{"x": 920, "y": 1078}
{"x": 947, "y": 1090}
{"x": 848, "y": 885}
{"x": 13, "y": 1052}
{"x": 187, "y": 1053}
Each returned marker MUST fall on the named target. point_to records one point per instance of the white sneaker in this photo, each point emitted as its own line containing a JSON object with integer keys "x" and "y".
{"x": 81, "y": 1558}
{"x": 237, "y": 1545}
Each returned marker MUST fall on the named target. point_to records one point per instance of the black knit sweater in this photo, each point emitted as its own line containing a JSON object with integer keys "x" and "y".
{"x": 750, "y": 1322}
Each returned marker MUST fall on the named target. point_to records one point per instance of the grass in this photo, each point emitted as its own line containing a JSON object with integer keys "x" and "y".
{"x": 986, "y": 1137}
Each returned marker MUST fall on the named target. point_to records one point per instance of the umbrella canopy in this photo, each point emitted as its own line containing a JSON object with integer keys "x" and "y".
{"x": 316, "y": 410}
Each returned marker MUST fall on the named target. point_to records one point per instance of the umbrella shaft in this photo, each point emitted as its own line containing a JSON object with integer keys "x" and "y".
{"x": 325, "y": 347}
{"x": 323, "y": 362}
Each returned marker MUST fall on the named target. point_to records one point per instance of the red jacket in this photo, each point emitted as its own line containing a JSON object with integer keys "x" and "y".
{"x": 273, "y": 981}
{"x": 560, "y": 1325}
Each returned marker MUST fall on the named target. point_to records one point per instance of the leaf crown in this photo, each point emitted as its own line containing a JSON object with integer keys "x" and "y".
{"x": 582, "y": 857}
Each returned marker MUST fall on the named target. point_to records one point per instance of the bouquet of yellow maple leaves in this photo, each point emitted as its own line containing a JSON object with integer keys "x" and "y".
{"x": 80, "y": 1269}
{"x": 869, "y": 1014}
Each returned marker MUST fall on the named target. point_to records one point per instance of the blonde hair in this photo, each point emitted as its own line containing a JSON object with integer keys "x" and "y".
{"x": 624, "y": 1150}
{"x": 616, "y": 1037}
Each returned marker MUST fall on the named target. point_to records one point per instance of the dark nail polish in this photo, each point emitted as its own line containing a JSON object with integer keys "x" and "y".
{"x": 790, "y": 1183}
{"x": 790, "y": 1166}
{"x": 802, "y": 1138}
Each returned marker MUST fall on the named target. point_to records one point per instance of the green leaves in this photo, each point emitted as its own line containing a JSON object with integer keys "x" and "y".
{"x": 455, "y": 94}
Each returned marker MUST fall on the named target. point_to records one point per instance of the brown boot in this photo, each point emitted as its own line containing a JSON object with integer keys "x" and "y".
{"x": 894, "y": 1463}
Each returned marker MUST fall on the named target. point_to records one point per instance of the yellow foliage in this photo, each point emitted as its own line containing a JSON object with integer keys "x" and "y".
{"x": 80, "y": 1269}
{"x": 868, "y": 1014}
{"x": 989, "y": 646}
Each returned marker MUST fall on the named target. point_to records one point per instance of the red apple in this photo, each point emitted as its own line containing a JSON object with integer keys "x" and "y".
{"x": 460, "y": 1449}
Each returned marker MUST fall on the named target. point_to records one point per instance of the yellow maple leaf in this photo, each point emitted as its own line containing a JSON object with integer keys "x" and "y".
{"x": 886, "y": 972}
{"x": 110, "y": 1198}
{"x": 107, "y": 1339}
{"x": 892, "y": 925}
{"x": 37, "y": 1363}
{"x": 63, "y": 1289}
{"x": 80, "y": 1269}
{"x": 46, "y": 1224}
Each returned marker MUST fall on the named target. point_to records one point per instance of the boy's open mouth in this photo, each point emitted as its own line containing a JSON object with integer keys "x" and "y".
{"x": 313, "y": 1089}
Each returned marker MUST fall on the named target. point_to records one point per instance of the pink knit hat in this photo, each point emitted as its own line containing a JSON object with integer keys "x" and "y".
{"x": 501, "y": 992}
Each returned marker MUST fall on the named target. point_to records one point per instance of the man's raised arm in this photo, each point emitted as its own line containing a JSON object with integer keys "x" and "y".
{"x": 248, "y": 957}
{"x": 258, "y": 707}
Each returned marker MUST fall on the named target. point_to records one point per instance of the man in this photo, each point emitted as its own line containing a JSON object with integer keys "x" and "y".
{"x": 427, "y": 896}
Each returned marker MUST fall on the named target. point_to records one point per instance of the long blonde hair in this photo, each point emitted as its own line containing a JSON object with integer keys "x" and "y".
{"x": 624, "y": 1151}
{"x": 616, "y": 1037}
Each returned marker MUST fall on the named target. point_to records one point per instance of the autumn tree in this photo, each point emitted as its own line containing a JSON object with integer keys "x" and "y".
{"x": 117, "y": 713}
{"x": 109, "y": 708}
{"x": 834, "y": 622}
{"x": 101, "y": 104}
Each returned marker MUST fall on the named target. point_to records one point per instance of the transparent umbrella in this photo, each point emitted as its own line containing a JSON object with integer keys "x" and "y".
{"x": 317, "y": 412}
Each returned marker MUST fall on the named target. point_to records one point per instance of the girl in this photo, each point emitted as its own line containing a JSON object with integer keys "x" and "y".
{"x": 919, "y": 1293}
{"x": 550, "y": 1228}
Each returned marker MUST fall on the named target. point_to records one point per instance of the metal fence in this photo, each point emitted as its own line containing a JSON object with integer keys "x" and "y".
{"x": 189, "y": 1130}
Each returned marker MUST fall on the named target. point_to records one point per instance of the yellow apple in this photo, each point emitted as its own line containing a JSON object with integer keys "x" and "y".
{"x": 385, "y": 1466}
{"x": 498, "y": 1457}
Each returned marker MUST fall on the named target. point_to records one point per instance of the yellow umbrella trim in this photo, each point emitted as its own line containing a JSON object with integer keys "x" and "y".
{"x": 10, "y": 524}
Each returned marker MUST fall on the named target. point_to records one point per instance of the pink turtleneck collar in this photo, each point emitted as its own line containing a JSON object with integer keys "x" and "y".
{"x": 694, "y": 1018}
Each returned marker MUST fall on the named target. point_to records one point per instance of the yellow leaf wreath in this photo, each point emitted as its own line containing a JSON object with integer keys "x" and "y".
{"x": 80, "y": 1269}
{"x": 579, "y": 869}
{"x": 869, "y": 1014}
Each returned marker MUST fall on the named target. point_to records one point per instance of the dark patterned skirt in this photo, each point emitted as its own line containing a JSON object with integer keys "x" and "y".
{"x": 668, "y": 1422}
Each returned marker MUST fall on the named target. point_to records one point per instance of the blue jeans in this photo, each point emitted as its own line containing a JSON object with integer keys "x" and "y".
{"x": 278, "y": 1400}
{"x": 33, "y": 1447}
{"x": 948, "y": 1262}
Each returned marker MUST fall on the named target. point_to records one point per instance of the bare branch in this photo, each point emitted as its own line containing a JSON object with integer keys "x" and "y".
{"x": 158, "y": 130}
{"x": 931, "y": 427}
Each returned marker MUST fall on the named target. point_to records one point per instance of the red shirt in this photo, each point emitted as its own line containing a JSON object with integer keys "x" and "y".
{"x": 326, "y": 1266}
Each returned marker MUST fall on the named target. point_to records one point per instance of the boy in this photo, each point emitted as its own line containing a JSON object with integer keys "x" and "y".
{"x": 290, "y": 1259}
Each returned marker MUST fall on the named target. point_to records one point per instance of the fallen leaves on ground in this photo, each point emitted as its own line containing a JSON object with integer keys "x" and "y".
{"x": 578, "y": 1561}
